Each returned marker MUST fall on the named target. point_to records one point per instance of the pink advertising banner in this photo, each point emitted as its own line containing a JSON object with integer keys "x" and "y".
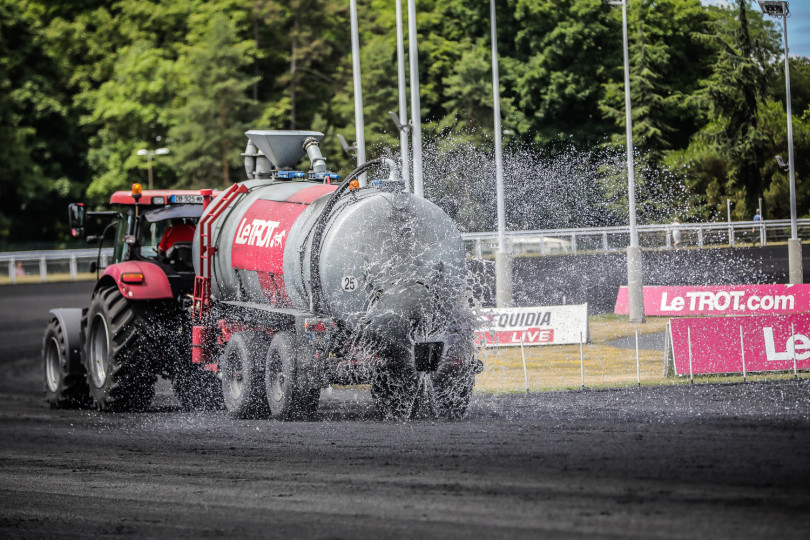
{"x": 722, "y": 344}
{"x": 720, "y": 300}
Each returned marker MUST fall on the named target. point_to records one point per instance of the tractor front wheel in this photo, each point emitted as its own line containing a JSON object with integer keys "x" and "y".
{"x": 65, "y": 380}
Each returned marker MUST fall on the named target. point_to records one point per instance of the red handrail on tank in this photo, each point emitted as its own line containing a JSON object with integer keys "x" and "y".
{"x": 202, "y": 282}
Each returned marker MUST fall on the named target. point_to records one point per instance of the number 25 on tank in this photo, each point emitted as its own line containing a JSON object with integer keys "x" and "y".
{"x": 348, "y": 283}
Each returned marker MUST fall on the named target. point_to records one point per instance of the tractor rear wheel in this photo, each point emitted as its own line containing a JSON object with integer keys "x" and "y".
{"x": 65, "y": 380}
{"x": 242, "y": 371}
{"x": 118, "y": 353}
{"x": 288, "y": 398}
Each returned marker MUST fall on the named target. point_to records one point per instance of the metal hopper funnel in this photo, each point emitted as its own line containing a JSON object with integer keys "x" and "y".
{"x": 284, "y": 149}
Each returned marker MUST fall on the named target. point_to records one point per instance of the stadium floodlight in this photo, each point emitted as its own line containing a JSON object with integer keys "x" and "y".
{"x": 774, "y": 8}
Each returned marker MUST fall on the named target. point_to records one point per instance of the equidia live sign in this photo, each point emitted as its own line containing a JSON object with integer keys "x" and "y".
{"x": 547, "y": 325}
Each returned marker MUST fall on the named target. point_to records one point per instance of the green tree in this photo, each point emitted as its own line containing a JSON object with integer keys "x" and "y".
{"x": 799, "y": 83}
{"x": 124, "y": 62}
{"x": 214, "y": 109}
{"x": 41, "y": 153}
{"x": 559, "y": 64}
{"x": 668, "y": 60}
{"x": 773, "y": 119}
{"x": 731, "y": 95}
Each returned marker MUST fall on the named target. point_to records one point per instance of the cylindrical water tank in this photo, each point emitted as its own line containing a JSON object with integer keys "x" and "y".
{"x": 385, "y": 258}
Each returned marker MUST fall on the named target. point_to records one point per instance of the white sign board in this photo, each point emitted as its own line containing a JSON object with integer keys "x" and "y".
{"x": 544, "y": 325}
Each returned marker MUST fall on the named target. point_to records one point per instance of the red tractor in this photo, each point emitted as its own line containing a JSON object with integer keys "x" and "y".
{"x": 287, "y": 284}
{"x": 136, "y": 327}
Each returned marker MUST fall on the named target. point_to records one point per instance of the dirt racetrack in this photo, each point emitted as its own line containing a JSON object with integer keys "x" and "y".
{"x": 709, "y": 461}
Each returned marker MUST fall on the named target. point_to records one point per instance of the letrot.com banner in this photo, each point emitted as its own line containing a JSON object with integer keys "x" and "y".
{"x": 546, "y": 325}
{"x": 720, "y": 300}
{"x": 719, "y": 344}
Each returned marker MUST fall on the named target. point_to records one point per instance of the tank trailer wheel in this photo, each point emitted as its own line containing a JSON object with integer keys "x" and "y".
{"x": 454, "y": 379}
{"x": 243, "y": 375}
{"x": 65, "y": 385}
{"x": 117, "y": 353}
{"x": 400, "y": 392}
{"x": 452, "y": 388}
{"x": 394, "y": 388}
{"x": 288, "y": 400}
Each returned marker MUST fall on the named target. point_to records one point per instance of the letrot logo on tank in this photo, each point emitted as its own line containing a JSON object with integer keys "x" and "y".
{"x": 546, "y": 325}
{"x": 259, "y": 232}
{"x": 720, "y": 300}
{"x": 261, "y": 235}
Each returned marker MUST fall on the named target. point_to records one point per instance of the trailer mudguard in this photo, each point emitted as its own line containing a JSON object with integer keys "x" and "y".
{"x": 151, "y": 285}
{"x": 70, "y": 319}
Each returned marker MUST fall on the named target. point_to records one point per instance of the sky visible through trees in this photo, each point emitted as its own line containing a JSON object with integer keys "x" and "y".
{"x": 85, "y": 84}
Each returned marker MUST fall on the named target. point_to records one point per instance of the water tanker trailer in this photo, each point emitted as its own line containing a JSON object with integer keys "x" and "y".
{"x": 300, "y": 282}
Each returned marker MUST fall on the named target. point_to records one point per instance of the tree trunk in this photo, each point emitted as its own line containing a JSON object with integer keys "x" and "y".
{"x": 226, "y": 172}
{"x": 256, "y": 59}
{"x": 293, "y": 69}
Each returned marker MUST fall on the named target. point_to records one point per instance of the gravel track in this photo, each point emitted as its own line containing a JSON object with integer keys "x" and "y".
{"x": 719, "y": 461}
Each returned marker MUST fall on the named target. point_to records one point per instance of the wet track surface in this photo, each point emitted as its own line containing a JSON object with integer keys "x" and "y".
{"x": 719, "y": 461}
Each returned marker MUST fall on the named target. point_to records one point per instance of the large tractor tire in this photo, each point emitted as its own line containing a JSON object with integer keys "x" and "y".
{"x": 118, "y": 353}
{"x": 242, "y": 369}
{"x": 64, "y": 376}
{"x": 288, "y": 397}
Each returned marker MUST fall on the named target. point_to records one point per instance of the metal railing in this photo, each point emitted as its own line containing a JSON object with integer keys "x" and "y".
{"x": 24, "y": 264}
{"x": 68, "y": 262}
{"x": 651, "y": 237}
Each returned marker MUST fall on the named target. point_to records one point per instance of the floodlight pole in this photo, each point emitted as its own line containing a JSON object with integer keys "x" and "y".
{"x": 635, "y": 288}
{"x": 503, "y": 266}
{"x": 149, "y": 154}
{"x": 358, "y": 91}
{"x": 780, "y": 8}
{"x": 149, "y": 168}
{"x": 794, "y": 230}
{"x": 403, "y": 100}
{"x": 795, "y": 266}
{"x": 416, "y": 113}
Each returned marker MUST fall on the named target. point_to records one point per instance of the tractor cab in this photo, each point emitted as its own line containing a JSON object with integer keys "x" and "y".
{"x": 151, "y": 226}
{"x": 157, "y": 225}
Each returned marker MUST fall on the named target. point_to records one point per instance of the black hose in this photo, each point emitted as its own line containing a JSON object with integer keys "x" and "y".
{"x": 101, "y": 245}
{"x": 317, "y": 235}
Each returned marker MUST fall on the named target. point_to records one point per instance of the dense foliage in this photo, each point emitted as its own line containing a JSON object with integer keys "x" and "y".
{"x": 84, "y": 86}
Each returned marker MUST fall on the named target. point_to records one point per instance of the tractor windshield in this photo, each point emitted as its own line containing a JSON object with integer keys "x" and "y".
{"x": 166, "y": 227}
{"x": 151, "y": 236}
